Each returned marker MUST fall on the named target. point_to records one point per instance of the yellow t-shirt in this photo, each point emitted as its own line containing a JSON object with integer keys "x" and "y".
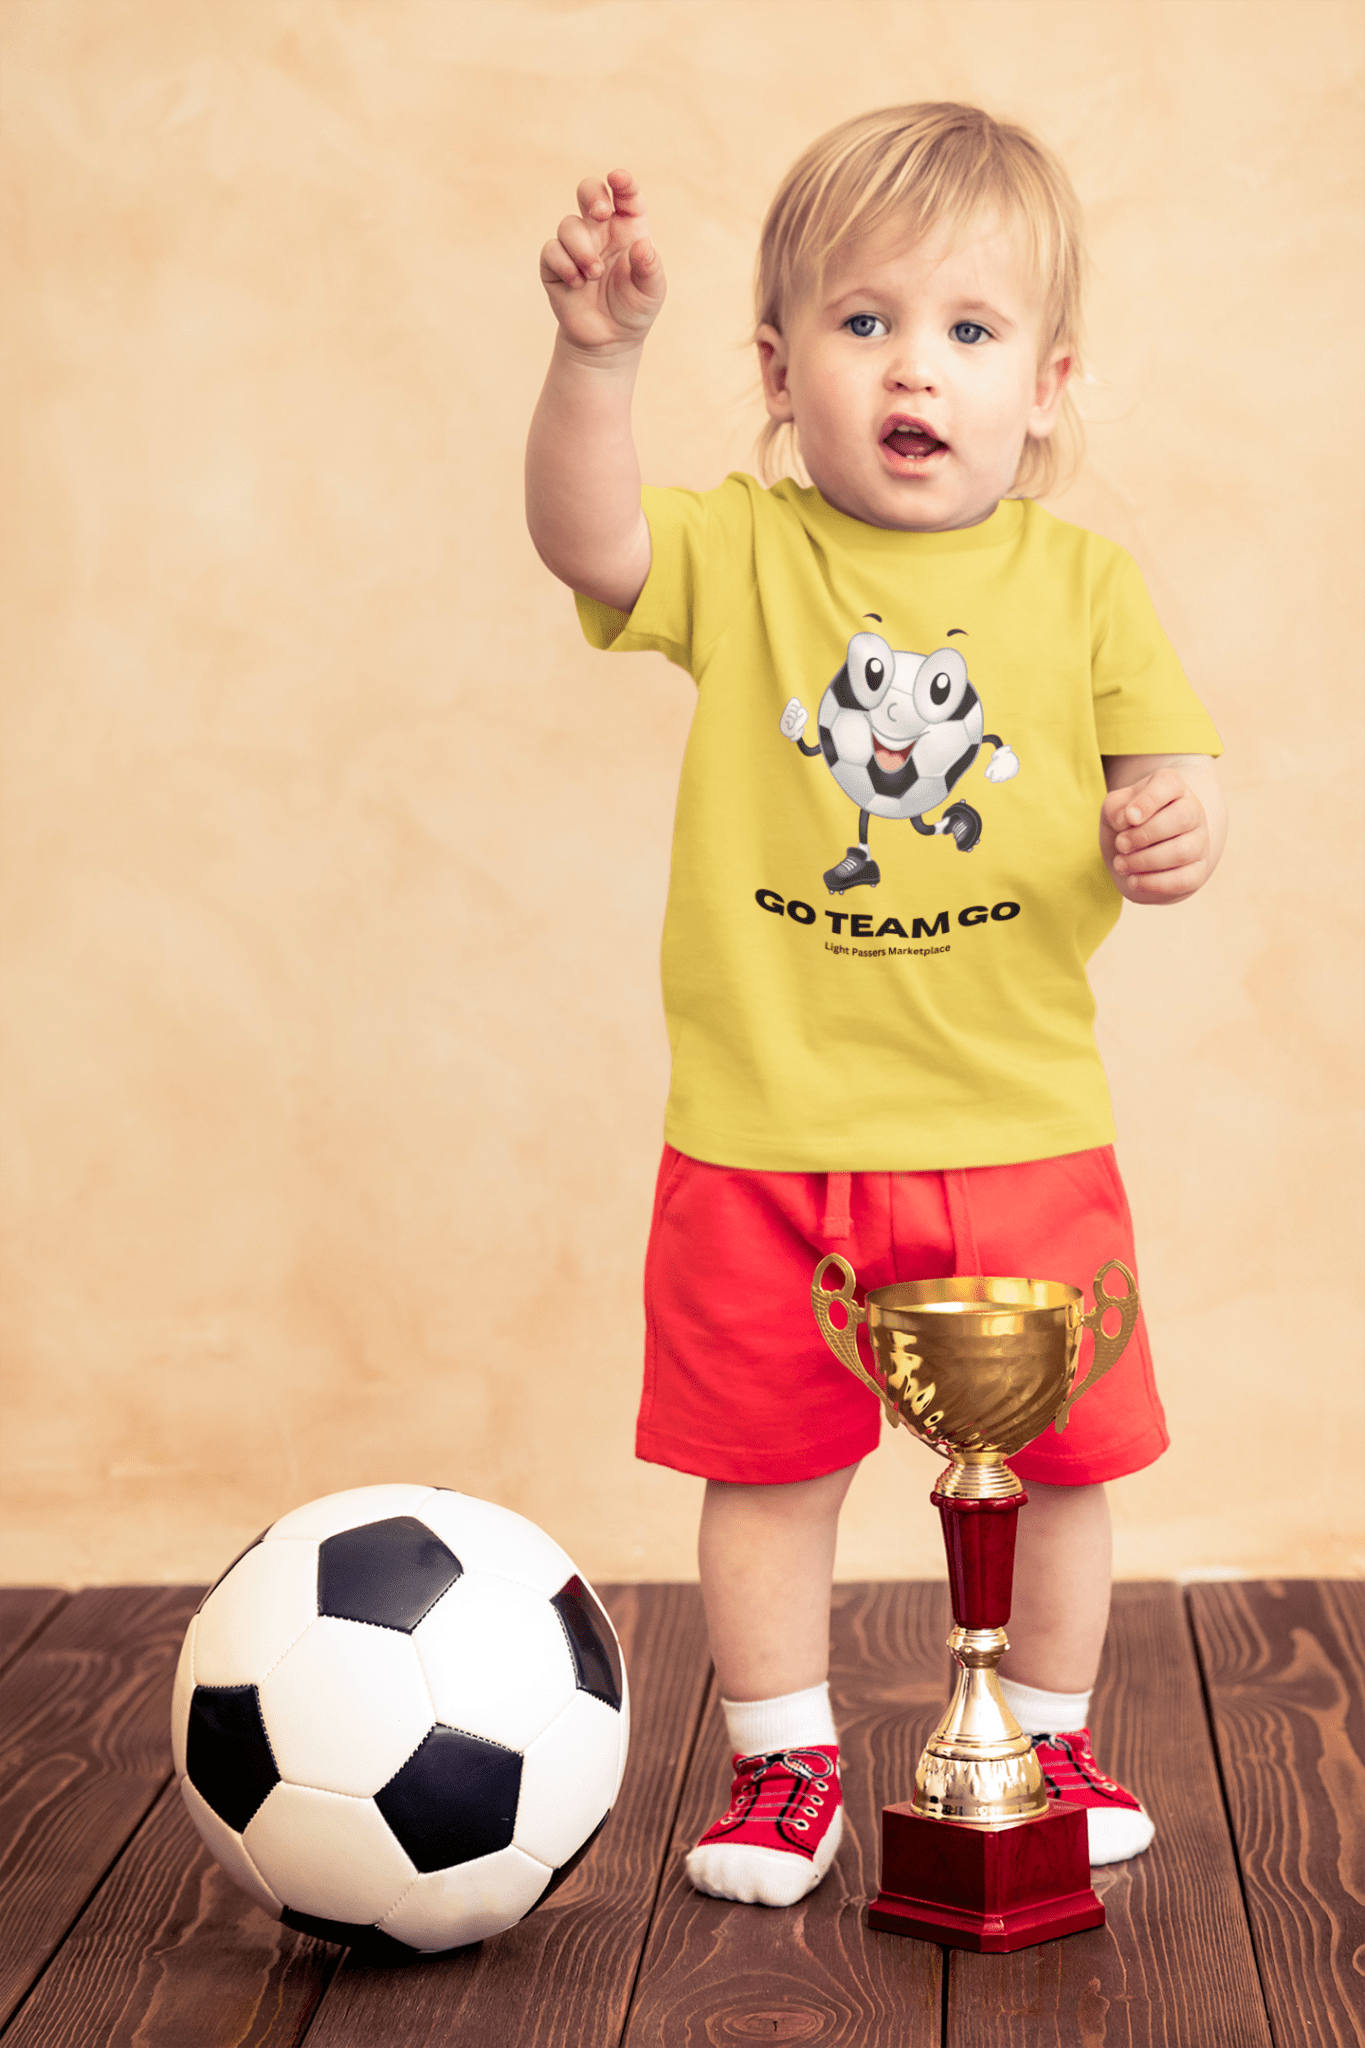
{"x": 935, "y": 1013}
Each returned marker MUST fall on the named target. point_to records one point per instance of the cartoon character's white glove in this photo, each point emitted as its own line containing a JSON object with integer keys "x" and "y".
{"x": 793, "y": 719}
{"x": 1003, "y": 765}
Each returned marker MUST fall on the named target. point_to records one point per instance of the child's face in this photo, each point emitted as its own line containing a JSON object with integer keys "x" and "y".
{"x": 913, "y": 376}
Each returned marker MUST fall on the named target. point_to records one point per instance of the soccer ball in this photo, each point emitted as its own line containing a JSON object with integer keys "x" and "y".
{"x": 401, "y": 1713}
{"x": 920, "y": 708}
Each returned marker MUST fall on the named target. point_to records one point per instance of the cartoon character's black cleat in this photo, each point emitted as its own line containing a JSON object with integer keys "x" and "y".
{"x": 964, "y": 823}
{"x": 858, "y": 868}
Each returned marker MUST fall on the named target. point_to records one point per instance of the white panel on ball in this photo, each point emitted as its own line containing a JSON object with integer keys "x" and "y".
{"x": 327, "y": 1855}
{"x": 346, "y": 1707}
{"x": 227, "y": 1848}
{"x": 936, "y": 752}
{"x": 852, "y": 736}
{"x": 350, "y": 1510}
{"x": 488, "y": 1538}
{"x": 563, "y": 1777}
{"x": 256, "y": 1613}
{"x": 448, "y": 1908}
{"x": 624, "y": 1718}
{"x": 181, "y": 1694}
{"x": 496, "y": 1660}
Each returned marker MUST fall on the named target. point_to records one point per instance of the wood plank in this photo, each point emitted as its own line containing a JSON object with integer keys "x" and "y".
{"x": 1284, "y": 1668}
{"x": 169, "y": 1951}
{"x": 24, "y": 1611}
{"x": 562, "y": 1979}
{"x": 1175, "y": 1964}
{"x": 87, "y": 1748}
{"x": 715, "y": 1972}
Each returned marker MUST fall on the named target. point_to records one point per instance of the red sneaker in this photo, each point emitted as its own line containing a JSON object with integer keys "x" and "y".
{"x": 778, "y": 1837}
{"x": 1119, "y": 1825}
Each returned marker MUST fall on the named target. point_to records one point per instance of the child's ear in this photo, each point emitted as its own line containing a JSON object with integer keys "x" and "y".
{"x": 1053, "y": 372}
{"x": 772, "y": 362}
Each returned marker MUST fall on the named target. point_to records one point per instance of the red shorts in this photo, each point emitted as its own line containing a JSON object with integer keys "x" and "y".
{"x": 739, "y": 1384}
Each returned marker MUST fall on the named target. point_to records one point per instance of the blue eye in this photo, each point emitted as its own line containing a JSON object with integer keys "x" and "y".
{"x": 865, "y": 326}
{"x": 970, "y": 331}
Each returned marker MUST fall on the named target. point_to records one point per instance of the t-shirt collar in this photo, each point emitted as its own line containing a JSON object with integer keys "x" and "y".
{"x": 841, "y": 530}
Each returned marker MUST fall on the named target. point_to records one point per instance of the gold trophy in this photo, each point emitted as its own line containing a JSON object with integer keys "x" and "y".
{"x": 976, "y": 1367}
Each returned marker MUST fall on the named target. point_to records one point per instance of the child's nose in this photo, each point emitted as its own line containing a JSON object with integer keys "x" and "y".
{"x": 912, "y": 371}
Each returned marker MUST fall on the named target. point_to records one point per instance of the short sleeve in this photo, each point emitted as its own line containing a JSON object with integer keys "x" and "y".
{"x": 700, "y": 574}
{"x": 1143, "y": 701}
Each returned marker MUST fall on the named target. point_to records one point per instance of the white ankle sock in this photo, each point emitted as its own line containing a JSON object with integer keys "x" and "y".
{"x": 1045, "y": 1713}
{"x": 794, "y": 1720}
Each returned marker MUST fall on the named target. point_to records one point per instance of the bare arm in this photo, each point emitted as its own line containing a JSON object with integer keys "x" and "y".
{"x": 1162, "y": 825}
{"x": 606, "y": 284}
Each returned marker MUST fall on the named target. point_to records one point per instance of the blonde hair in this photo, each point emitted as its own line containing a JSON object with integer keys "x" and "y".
{"x": 925, "y": 164}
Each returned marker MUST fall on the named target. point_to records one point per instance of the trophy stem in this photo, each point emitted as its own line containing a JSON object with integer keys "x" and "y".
{"x": 978, "y": 1766}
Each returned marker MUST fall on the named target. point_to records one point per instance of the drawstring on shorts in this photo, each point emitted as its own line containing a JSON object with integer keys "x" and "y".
{"x": 966, "y": 1257}
{"x": 838, "y": 1222}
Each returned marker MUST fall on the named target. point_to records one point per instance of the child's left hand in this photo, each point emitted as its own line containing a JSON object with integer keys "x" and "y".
{"x": 1161, "y": 825}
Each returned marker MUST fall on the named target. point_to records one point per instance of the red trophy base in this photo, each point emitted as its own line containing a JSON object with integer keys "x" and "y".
{"x": 989, "y": 1889}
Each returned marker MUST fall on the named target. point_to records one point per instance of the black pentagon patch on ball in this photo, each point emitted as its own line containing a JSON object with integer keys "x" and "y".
{"x": 597, "y": 1661}
{"x": 960, "y": 766}
{"x": 891, "y": 781}
{"x": 827, "y": 746}
{"x": 843, "y": 691}
{"x": 228, "y": 1758}
{"x": 454, "y": 1799}
{"x": 389, "y": 1573}
{"x": 372, "y": 1943}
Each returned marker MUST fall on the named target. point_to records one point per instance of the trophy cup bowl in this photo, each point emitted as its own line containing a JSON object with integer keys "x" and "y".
{"x": 977, "y": 1366}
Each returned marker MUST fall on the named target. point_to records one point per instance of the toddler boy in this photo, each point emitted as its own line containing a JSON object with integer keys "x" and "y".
{"x": 882, "y": 1032}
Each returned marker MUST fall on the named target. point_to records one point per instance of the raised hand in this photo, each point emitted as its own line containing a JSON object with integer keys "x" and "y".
{"x": 1155, "y": 836}
{"x": 602, "y": 272}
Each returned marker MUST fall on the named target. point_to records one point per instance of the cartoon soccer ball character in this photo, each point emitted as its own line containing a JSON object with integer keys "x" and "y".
{"x": 898, "y": 730}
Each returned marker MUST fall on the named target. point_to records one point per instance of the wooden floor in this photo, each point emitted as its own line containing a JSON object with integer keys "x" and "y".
{"x": 1237, "y": 1711}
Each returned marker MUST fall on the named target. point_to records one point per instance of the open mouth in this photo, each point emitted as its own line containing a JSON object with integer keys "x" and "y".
{"x": 891, "y": 758}
{"x": 911, "y": 440}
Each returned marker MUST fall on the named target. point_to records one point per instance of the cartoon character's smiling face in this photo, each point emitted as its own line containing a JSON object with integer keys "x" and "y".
{"x": 898, "y": 729}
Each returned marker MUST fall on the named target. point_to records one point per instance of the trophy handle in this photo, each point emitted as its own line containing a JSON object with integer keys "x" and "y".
{"x": 844, "y": 1343}
{"x": 1108, "y": 1350}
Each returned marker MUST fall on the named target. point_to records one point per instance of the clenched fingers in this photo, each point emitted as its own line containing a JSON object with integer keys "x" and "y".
{"x": 1184, "y": 814}
{"x": 1184, "y": 850}
{"x": 1154, "y": 835}
{"x": 610, "y": 218}
{"x": 619, "y": 193}
{"x": 1133, "y": 807}
{"x": 583, "y": 243}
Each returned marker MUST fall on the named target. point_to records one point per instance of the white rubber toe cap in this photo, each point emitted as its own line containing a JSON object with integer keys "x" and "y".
{"x": 1118, "y": 1832}
{"x": 762, "y": 1877}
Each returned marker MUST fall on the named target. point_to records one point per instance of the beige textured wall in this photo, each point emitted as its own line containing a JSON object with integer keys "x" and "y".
{"x": 334, "y": 861}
